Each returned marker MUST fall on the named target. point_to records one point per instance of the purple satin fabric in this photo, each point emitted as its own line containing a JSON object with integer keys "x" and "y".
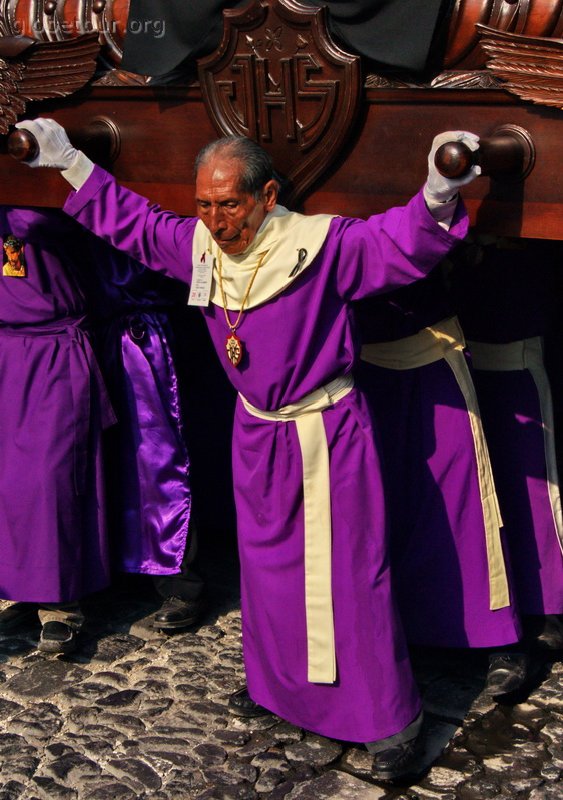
{"x": 150, "y": 467}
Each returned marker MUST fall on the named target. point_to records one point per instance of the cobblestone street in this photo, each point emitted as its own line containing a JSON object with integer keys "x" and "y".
{"x": 137, "y": 714}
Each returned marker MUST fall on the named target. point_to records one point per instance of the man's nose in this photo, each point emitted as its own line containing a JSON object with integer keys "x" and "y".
{"x": 217, "y": 218}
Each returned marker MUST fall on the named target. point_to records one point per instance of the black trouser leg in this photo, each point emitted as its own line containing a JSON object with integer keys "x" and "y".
{"x": 188, "y": 583}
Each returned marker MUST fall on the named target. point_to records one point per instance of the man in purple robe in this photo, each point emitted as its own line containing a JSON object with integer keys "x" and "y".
{"x": 506, "y": 293}
{"x": 52, "y": 512}
{"x": 448, "y": 543}
{"x": 322, "y": 640}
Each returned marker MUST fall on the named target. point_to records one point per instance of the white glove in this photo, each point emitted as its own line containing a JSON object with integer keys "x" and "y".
{"x": 55, "y": 149}
{"x": 437, "y": 187}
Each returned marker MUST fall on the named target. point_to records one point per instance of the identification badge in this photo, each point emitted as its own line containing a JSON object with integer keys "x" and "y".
{"x": 202, "y": 276}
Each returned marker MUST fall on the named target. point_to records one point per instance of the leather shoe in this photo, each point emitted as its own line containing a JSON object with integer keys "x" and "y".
{"x": 176, "y": 613}
{"x": 507, "y": 673}
{"x": 396, "y": 762}
{"x": 57, "y": 637}
{"x": 242, "y": 705}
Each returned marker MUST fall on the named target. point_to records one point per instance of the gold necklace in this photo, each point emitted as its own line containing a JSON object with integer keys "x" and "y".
{"x": 233, "y": 345}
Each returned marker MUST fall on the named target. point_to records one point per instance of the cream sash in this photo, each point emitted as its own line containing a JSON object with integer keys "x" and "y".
{"x": 445, "y": 340}
{"x": 307, "y": 415}
{"x": 520, "y": 355}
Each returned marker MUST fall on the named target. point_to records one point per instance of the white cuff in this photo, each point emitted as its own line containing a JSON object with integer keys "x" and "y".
{"x": 79, "y": 171}
{"x": 442, "y": 211}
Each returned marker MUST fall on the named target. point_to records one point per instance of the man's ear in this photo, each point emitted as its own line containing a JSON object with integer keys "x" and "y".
{"x": 270, "y": 194}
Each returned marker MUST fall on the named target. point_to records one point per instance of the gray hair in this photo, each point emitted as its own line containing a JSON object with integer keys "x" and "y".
{"x": 257, "y": 167}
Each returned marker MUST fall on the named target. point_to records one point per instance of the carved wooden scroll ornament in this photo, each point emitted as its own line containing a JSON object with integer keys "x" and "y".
{"x": 530, "y": 67}
{"x": 31, "y": 70}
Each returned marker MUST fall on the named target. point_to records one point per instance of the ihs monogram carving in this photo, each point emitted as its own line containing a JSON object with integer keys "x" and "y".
{"x": 279, "y": 79}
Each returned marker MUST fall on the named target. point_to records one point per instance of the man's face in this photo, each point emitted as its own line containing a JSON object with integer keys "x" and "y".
{"x": 13, "y": 256}
{"x": 231, "y": 216}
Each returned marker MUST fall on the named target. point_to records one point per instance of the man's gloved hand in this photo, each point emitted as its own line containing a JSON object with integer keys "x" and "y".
{"x": 55, "y": 149}
{"x": 438, "y": 188}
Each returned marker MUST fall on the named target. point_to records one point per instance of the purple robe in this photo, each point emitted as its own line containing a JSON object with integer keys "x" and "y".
{"x": 502, "y": 296}
{"x": 438, "y": 545}
{"x": 52, "y": 513}
{"x": 149, "y": 487}
{"x": 296, "y": 342}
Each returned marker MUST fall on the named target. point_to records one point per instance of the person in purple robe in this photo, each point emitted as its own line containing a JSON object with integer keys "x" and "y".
{"x": 505, "y": 293}
{"x": 322, "y": 639}
{"x": 151, "y": 521}
{"x": 449, "y": 548}
{"x": 52, "y": 510}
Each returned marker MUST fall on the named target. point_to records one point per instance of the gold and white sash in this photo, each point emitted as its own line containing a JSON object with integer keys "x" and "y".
{"x": 519, "y": 355}
{"x": 307, "y": 415}
{"x": 445, "y": 340}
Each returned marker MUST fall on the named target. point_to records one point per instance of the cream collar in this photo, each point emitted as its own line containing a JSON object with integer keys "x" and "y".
{"x": 290, "y": 240}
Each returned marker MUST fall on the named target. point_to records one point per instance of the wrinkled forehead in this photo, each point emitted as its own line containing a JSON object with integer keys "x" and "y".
{"x": 220, "y": 172}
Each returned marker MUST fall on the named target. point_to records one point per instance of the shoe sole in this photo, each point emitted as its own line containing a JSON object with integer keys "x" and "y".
{"x": 390, "y": 777}
{"x": 174, "y": 626}
{"x": 248, "y": 714}
{"x": 57, "y": 647}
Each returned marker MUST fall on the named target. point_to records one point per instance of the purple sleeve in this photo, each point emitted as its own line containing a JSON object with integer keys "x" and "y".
{"x": 158, "y": 239}
{"x": 394, "y": 248}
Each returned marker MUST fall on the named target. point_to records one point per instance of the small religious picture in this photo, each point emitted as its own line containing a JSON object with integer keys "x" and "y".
{"x": 14, "y": 264}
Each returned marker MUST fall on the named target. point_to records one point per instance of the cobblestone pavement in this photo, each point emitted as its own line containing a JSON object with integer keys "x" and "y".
{"x": 136, "y": 714}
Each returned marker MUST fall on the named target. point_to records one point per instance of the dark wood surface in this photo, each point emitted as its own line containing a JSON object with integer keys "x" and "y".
{"x": 383, "y": 161}
{"x": 279, "y": 78}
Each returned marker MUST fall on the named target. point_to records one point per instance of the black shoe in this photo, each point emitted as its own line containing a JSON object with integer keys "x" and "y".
{"x": 396, "y": 762}
{"x": 176, "y": 613}
{"x": 507, "y": 673}
{"x": 57, "y": 637}
{"x": 242, "y": 705}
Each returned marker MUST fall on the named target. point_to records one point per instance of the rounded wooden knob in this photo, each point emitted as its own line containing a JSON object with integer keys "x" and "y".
{"x": 98, "y": 6}
{"x": 99, "y": 138}
{"x": 509, "y": 154}
{"x": 50, "y": 7}
{"x": 22, "y": 145}
{"x": 454, "y": 159}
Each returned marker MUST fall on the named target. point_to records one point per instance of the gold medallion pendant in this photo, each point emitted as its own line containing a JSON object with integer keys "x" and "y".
{"x": 233, "y": 345}
{"x": 234, "y": 349}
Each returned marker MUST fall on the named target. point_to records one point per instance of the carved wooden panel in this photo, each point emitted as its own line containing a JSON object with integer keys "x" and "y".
{"x": 279, "y": 79}
{"x": 382, "y": 161}
{"x": 31, "y": 70}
